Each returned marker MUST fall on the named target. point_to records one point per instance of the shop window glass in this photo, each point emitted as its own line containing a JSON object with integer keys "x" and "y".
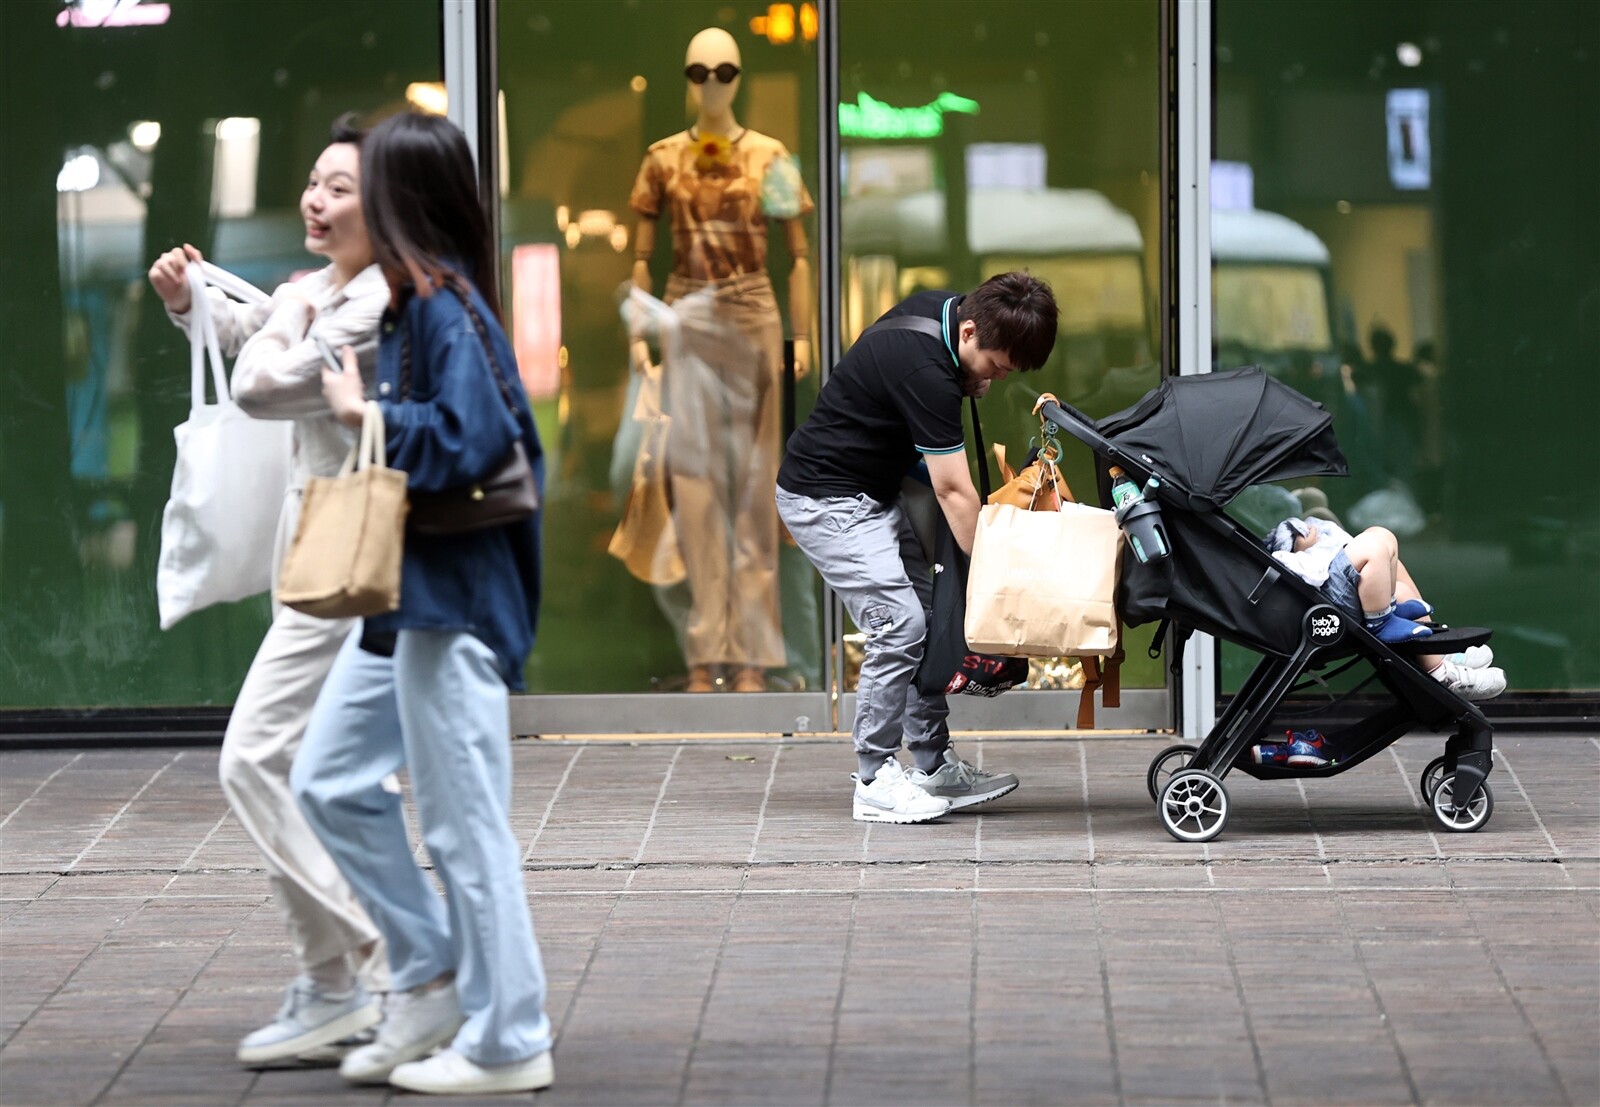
{"x": 589, "y": 87}
{"x": 979, "y": 138}
{"x": 130, "y": 129}
{"x": 1407, "y": 234}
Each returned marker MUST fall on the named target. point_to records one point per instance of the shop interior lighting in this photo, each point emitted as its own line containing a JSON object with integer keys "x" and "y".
{"x": 145, "y": 134}
{"x": 79, "y": 173}
{"x": 112, "y": 13}
{"x": 428, "y": 96}
{"x": 783, "y": 23}
{"x": 638, "y": 84}
{"x": 1409, "y": 54}
{"x": 238, "y": 128}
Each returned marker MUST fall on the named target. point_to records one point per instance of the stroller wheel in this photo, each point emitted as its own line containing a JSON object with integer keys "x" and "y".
{"x": 1469, "y": 818}
{"x": 1167, "y": 762}
{"x": 1431, "y": 777}
{"x": 1193, "y": 806}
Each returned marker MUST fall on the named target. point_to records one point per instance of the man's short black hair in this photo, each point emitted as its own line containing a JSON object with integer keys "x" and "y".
{"x": 1014, "y": 312}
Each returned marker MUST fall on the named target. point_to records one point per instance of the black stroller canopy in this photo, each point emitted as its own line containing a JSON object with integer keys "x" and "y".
{"x": 1216, "y": 434}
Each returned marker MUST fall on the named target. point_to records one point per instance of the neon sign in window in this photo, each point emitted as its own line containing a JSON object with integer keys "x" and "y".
{"x": 869, "y": 118}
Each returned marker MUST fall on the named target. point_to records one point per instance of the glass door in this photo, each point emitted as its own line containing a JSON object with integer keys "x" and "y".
{"x": 658, "y": 163}
{"x": 981, "y": 138}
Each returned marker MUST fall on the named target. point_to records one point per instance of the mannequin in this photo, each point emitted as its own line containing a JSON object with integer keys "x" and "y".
{"x": 720, "y": 184}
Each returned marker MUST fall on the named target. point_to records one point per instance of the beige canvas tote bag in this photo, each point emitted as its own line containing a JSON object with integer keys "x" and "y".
{"x": 345, "y": 558}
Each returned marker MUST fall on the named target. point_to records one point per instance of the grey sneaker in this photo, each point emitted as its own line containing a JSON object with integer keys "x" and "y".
{"x": 309, "y": 1018}
{"x": 415, "y": 1023}
{"x": 963, "y": 784}
{"x": 891, "y": 797}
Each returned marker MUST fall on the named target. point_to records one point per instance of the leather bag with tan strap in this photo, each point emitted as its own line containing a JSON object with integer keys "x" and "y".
{"x": 345, "y": 558}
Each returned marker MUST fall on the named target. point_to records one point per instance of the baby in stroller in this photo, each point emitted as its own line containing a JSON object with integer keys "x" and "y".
{"x": 1364, "y": 575}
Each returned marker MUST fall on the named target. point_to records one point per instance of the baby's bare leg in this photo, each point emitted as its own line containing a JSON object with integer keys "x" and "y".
{"x": 1375, "y": 555}
{"x": 1405, "y": 588}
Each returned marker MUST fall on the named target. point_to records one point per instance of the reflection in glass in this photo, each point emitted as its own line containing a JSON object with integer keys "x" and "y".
{"x": 1012, "y": 136}
{"x": 1405, "y": 233}
{"x": 667, "y": 417}
{"x": 145, "y": 156}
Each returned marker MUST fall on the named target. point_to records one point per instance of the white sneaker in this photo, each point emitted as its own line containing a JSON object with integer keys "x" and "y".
{"x": 449, "y": 1073}
{"x": 893, "y": 798}
{"x": 1473, "y": 657}
{"x": 1472, "y": 684}
{"x": 308, "y": 1018}
{"x": 334, "y": 1053}
{"x": 415, "y": 1023}
{"x": 963, "y": 783}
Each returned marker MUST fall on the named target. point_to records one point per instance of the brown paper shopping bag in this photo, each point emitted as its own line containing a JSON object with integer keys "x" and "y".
{"x": 345, "y": 558}
{"x": 1044, "y": 583}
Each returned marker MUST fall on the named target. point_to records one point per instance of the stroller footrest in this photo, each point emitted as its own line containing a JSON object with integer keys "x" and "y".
{"x": 1449, "y": 640}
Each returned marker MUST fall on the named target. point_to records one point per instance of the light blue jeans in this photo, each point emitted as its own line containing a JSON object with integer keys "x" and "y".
{"x": 868, "y": 553}
{"x": 438, "y": 708}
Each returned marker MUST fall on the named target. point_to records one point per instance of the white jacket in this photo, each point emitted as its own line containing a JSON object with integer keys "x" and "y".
{"x": 278, "y": 372}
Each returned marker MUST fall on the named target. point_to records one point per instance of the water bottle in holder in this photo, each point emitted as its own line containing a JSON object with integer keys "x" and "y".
{"x": 1139, "y": 516}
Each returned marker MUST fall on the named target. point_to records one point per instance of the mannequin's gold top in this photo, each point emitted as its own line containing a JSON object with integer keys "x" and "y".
{"x": 719, "y": 228}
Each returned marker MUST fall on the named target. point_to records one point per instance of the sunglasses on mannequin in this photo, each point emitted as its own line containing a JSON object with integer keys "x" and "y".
{"x": 725, "y": 73}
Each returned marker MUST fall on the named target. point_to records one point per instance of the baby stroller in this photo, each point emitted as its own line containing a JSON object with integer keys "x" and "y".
{"x": 1206, "y": 438}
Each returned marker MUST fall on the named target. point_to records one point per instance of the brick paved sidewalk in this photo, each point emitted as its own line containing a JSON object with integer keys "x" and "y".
{"x": 717, "y": 930}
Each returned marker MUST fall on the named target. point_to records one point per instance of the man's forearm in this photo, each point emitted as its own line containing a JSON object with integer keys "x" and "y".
{"x": 960, "y": 507}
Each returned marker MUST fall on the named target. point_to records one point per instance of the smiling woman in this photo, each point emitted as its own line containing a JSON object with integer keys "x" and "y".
{"x": 331, "y": 204}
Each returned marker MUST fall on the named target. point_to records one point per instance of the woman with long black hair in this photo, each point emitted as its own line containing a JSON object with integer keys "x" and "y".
{"x": 426, "y": 686}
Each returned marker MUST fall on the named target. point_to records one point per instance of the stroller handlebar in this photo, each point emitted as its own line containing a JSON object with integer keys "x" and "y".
{"x": 1081, "y": 427}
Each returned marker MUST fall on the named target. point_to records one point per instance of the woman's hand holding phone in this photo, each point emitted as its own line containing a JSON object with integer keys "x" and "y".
{"x": 341, "y": 382}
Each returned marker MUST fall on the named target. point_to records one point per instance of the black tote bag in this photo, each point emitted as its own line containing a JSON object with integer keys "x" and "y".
{"x": 948, "y": 667}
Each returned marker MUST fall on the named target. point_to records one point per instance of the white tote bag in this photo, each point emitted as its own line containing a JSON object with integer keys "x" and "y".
{"x": 228, "y": 485}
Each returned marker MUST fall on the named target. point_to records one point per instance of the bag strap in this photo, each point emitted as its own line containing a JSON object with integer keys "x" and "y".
{"x": 983, "y": 455}
{"x": 371, "y": 450}
{"x": 203, "y": 338}
{"x": 458, "y": 285}
{"x": 233, "y": 285}
{"x": 923, "y": 325}
{"x": 203, "y": 341}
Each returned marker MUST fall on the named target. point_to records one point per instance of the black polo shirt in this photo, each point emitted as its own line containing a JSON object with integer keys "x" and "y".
{"x": 896, "y": 394}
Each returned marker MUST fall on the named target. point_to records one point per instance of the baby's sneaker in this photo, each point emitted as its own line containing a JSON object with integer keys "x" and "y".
{"x": 1473, "y": 657}
{"x": 1308, "y": 749}
{"x": 1473, "y": 684}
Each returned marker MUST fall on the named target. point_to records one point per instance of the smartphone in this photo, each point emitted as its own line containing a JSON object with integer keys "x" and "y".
{"x": 329, "y": 355}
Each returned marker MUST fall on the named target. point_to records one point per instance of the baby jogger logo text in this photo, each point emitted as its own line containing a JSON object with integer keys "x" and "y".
{"x": 1325, "y": 626}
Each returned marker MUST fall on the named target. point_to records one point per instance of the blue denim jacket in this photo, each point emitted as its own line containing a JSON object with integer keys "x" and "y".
{"x": 453, "y": 428}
